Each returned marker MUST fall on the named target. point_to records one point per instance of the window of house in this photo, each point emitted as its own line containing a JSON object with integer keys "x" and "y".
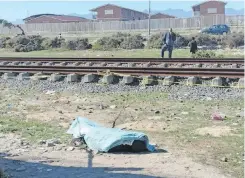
{"x": 212, "y": 10}
{"x": 108, "y": 12}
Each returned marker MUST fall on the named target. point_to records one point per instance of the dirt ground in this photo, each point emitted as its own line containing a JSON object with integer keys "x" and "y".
{"x": 189, "y": 142}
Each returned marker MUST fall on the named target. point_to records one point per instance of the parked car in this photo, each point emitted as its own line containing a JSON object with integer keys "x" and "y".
{"x": 217, "y": 30}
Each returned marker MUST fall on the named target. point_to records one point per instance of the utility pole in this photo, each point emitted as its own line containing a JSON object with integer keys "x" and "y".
{"x": 149, "y": 19}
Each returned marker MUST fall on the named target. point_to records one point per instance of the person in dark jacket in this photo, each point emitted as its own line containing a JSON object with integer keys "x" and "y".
{"x": 193, "y": 45}
{"x": 168, "y": 43}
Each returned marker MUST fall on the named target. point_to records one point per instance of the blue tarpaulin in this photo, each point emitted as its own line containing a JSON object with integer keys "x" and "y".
{"x": 102, "y": 139}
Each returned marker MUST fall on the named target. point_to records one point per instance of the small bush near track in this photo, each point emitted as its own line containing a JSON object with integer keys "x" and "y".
{"x": 182, "y": 41}
{"x": 120, "y": 40}
{"x": 133, "y": 42}
{"x": 3, "y": 42}
{"x": 206, "y": 40}
{"x": 78, "y": 44}
{"x": 107, "y": 43}
{"x": 206, "y": 54}
{"x": 232, "y": 40}
{"x": 26, "y": 43}
{"x": 155, "y": 41}
{"x": 53, "y": 43}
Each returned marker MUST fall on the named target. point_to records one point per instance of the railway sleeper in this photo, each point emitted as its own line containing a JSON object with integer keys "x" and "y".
{"x": 129, "y": 80}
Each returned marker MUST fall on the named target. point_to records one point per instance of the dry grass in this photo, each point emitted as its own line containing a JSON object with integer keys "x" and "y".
{"x": 141, "y": 53}
{"x": 175, "y": 127}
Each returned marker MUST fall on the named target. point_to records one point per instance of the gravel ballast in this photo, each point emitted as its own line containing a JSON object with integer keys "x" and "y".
{"x": 174, "y": 91}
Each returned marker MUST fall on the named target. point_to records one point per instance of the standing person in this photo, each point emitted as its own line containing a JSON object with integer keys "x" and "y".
{"x": 193, "y": 45}
{"x": 168, "y": 43}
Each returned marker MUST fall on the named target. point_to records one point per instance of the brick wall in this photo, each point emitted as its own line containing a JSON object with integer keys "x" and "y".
{"x": 212, "y": 4}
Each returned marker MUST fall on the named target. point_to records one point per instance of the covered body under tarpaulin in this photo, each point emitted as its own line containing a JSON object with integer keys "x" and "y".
{"x": 102, "y": 139}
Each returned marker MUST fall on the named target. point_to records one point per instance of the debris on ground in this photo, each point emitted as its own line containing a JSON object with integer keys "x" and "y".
{"x": 224, "y": 159}
{"x": 50, "y": 142}
{"x": 102, "y": 139}
{"x": 219, "y": 116}
{"x": 113, "y": 107}
{"x": 70, "y": 148}
{"x": 50, "y": 92}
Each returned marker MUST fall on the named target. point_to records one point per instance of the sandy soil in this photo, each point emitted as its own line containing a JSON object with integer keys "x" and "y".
{"x": 22, "y": 159}
{"x": 56, "y": 162}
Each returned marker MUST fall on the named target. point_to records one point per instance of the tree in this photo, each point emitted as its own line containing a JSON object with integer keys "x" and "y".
{"x": 9, "y": 25}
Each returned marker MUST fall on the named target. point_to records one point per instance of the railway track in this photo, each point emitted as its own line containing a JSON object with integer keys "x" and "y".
{"x": 126, "y": 60}
{"x": 200, "y": 72}
{"x": 48, "y": 66}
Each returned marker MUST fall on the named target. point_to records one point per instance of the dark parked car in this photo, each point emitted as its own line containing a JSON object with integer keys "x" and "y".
{"x": 217, "y": 30}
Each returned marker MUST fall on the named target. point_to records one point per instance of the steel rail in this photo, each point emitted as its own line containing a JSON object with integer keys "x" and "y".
{"x": 124, "y": 68}
{"x": 126, "y": 60}
{"x": 210, "y": 72}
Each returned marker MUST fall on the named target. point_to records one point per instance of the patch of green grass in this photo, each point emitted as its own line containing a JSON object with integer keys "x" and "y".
{"x": 139, "y": 53}
{"x": 32, "y": 130}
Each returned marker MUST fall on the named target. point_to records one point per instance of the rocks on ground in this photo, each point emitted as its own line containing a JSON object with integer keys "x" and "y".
{"x": 175, "y": 92}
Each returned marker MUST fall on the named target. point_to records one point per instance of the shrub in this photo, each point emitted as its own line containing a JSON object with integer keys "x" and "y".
{"x": 57, "y": 42}
{"x": 22, "y": 40}
{"x": 182, "y": 41}
{"x": 97, "y": 46}
{"x": 206, "y": 54}
{"x": 3, "y": 42}
{"x": 46, "y": 43}
{"x": 107, "y": 43}
{"x": 120, "y": 40}
{"x": 25, "y": 43}
{"x": 78, "y": 44}
{"x": 155, "y": 41}
{"x": 133, "y": 42}
{"x": 234, "y": 40}
{"x": 121, "y": 35}
{"x": 9, "y": 43}
{"x": 19, "y": 48}
{"x": 206, "y": 40}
